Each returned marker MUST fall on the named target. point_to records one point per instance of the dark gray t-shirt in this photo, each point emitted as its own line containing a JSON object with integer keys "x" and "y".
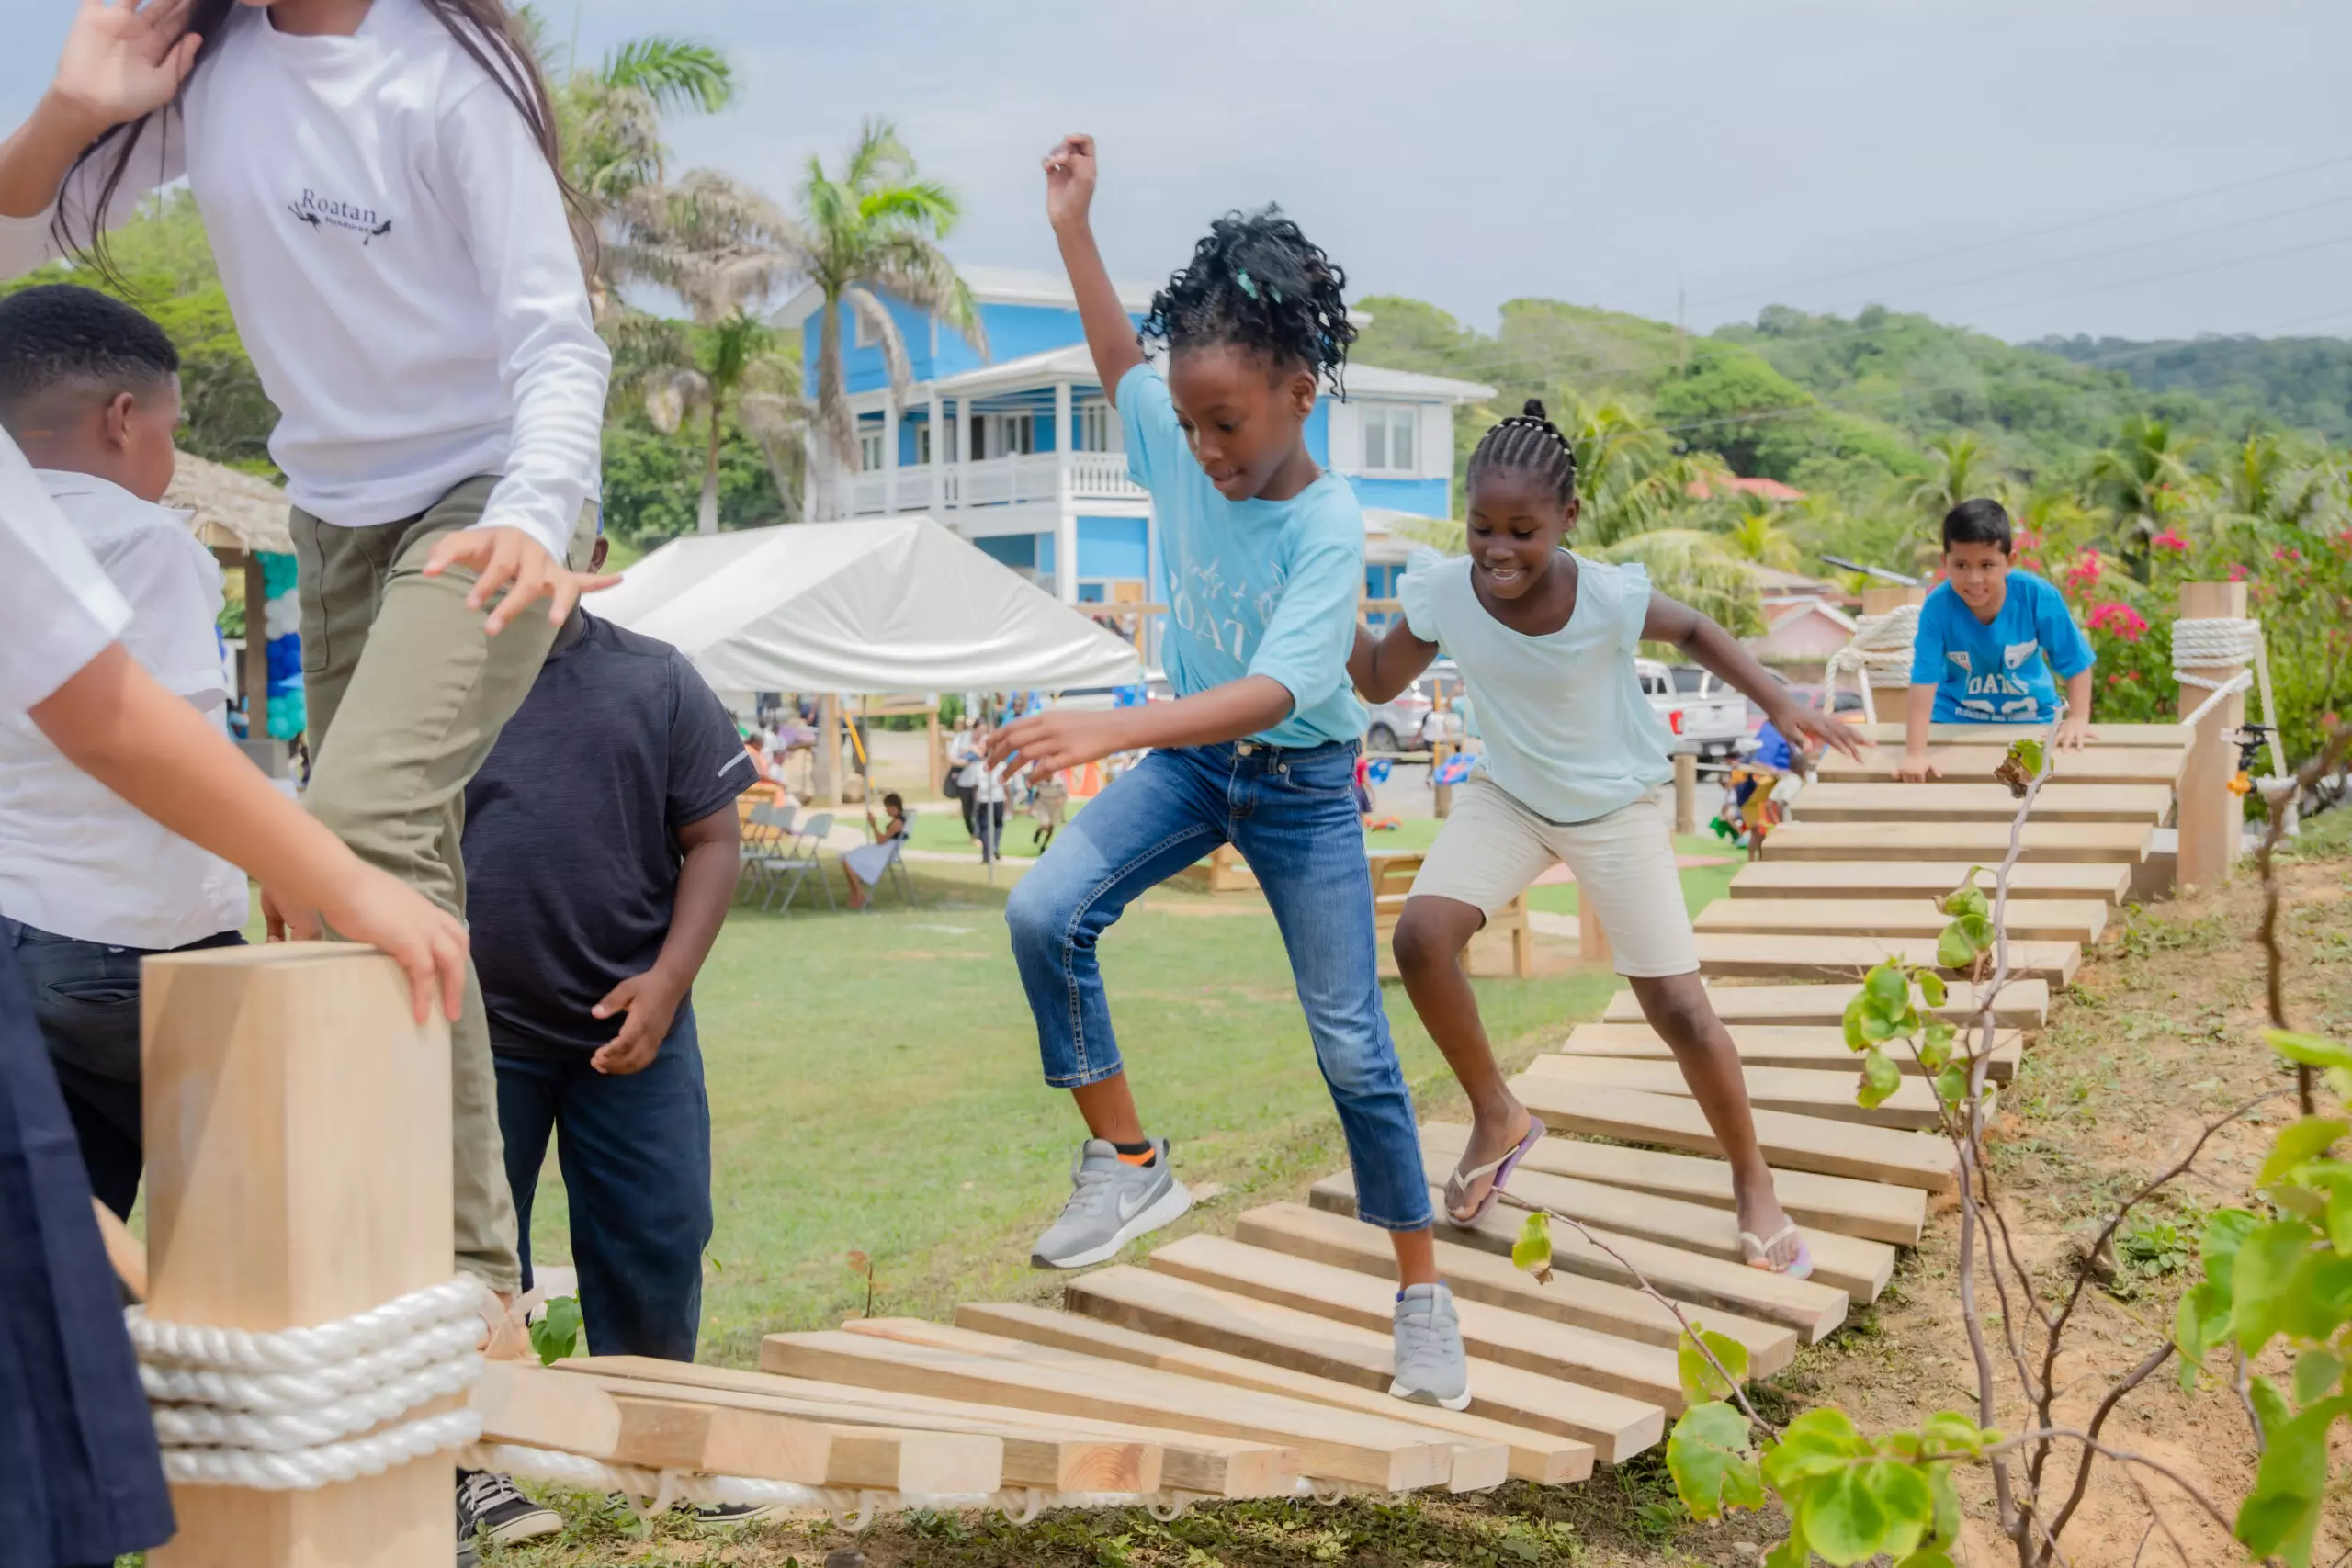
{"x": 571, "y": 855}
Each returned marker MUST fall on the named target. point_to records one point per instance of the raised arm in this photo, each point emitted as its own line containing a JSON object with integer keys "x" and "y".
{"x": 1069, "y": 194}
{"x": 1383, "y": 666}
{"x": 1710, "y": 647}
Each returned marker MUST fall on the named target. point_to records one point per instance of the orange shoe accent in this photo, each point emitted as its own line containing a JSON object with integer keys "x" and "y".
{"x": 1144, "y": 1158}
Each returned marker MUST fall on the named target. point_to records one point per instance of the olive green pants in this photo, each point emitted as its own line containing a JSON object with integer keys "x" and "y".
{"x": 406, "y": 695}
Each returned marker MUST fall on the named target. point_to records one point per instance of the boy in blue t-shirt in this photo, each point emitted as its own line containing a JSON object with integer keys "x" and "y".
{"x": 1264, "y": 557}
{"x": 1985, "y": 636}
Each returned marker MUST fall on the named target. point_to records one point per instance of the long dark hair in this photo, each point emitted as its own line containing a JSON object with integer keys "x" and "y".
{"x": 485, "y": 29}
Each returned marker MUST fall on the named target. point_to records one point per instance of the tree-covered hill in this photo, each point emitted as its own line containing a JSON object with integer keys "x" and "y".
{"x": 2305, "y": 383}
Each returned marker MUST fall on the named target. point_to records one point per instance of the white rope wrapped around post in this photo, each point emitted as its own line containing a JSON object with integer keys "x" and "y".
{"x": 2203, "y": 644}
{"x": 302, "y": 1408}
{"x": 1879, "y": 655}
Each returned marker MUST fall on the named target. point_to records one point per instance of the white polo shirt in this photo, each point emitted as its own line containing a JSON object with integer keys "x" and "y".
{"x": 75, "y": 858}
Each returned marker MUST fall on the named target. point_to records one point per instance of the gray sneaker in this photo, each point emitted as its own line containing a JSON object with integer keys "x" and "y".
{"x": 1113, "y": 1203}
{"x": 1430, "y": 1366}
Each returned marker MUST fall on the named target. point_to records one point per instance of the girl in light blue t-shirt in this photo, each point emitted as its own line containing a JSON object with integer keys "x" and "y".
{"x": 1572, "y": 754}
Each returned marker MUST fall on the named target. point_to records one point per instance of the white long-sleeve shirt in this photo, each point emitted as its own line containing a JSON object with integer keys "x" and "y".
{"x": 56, "y": 603}
{"x": 396, "y": 253}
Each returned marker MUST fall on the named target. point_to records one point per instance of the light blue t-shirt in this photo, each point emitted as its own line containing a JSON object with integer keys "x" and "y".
{"x": 1567, "y": 731}
{"x": 1254, "y": 587}
{"x": 1995, "y": 673}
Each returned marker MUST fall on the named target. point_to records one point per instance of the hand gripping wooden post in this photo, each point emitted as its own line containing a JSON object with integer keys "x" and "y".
{"x": 298, "y": 1172}
{"x": 2208, "y": 814}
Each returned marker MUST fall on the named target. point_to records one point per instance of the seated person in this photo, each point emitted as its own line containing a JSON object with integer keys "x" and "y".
{"x": 866, "y": 864}
{"x": 1985, "y": 635}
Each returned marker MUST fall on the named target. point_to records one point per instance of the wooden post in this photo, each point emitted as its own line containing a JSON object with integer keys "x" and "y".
{"x": 298, "y": 1172}
{"x": 2209, "y": 816}
{"x": 1880, "y": 601}
{"x": 1442, "y": 795}
{"x": 1592, "y": 937}
{"x": 1686, "y": 792}
{"x": 825, "y": 783}
{"x": 256, "y": 650}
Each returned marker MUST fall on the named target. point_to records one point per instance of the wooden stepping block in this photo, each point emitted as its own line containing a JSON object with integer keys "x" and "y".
{"x": 1808, "y": 1091}
{"x": 1035, "y": 1444}
{"x": 1752, "y": 955}
{"x": 1768, "y": 1045}
{"x": 1831, "y": 801}
{"x": 2078, "y": 921}
{"x": 1335, "y": 1445}
{"x": 1984, "y": 843}
{"x": 1800, "y": 1143}
{"x": 1479, "y": 1465}
{"x": 1871, "y": 1209}
{"x": 2102, "y": 734}
{"x": 1475, "y": 1276}
{"x": 1812, "y": 1309}
{"x": 2022, "y": 1004}
{"x": 1544, "y": 1457}
{"x": 2072, "y": 880}
{"x": 1562, "y": 1350}
{"x": 1161, "y": 1304}
{"x": 1963, "y": 763}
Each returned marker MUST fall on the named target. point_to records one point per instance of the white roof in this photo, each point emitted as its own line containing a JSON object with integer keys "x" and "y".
{"x": 1373, "y": 381}
{"x": 990, "y": 285}
{"x": 877, "y": 605}
{"x": 1075, "y": 363}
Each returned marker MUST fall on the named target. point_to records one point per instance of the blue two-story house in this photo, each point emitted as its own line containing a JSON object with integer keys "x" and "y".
{"x": 1022, "y": 454}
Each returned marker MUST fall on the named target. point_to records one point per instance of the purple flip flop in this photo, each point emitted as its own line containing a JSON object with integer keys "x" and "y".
{"x": 1759, "y": 1251}
{"x": 1457, "y": 1186}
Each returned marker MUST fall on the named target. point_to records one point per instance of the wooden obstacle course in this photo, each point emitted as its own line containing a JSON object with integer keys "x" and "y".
{"x": 1821, "y": 1047}
{"x": 1799, "y": 1142}
{"x": 1982, "y": 842}
{"x": 2022, "y": 1004}
{"x": 1848, "y": 879}
{"x": 2079, "y": 922}
{"x": 1767, "y": 955}
{"x": 1832, "y": 801}
{"x": 2091, "y": 765}
{"x": 1808, "y": 1091}
{"x": 1222, "y": 869}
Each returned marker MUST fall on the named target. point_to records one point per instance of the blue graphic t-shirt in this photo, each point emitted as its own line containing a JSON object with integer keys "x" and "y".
{"x": 1254, "y": 587}
{"x": 1997, "y": 673}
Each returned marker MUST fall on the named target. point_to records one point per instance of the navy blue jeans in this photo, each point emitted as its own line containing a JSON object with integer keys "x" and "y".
{"x": 635, "y": 1152}
{"x": 85, "y": 1001}
{"x": 1291, "y": 813}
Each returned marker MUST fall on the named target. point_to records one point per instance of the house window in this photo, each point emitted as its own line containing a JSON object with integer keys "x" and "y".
{"x": 1098, "y": 427}
{"x": 869, "y": 451}
{"x": 1003, "y": 434}
{"x": 861, "y": 328}
{"x": 923, "y": 442}
{"x": 1388, "y": 438}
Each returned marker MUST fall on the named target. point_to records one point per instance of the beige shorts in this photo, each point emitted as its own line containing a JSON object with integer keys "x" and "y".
{"x": 1492, "y": 848}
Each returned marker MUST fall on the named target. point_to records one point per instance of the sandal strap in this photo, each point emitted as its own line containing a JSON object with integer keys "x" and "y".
{"x": 1764, "y": 1248}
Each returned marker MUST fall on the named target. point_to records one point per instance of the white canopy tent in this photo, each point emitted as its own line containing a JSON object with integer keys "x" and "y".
{"x": 886, "y": 604}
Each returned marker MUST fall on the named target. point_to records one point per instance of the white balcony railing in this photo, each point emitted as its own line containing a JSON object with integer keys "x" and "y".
{"x": 992, "y": 481}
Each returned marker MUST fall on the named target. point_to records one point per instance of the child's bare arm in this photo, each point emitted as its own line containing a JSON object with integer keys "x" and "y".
{"x": 1069, "y": 194}
{"x": 2075, "y": 728}
{"x": 1710, "y": 647}
{"x": 1919, "y": 709}
{"x": 1381, "y": 667}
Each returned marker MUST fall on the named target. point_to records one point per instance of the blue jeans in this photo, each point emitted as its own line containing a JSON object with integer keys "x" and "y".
{"x": 635, "y": 1151}
{"x": 1291, "y": 813}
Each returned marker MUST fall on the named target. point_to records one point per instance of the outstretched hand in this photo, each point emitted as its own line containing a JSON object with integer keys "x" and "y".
{"x": 425, "y": 939}
{"x": 124, "y": 59}
{"x": 1060, "y": 737}
{"x": 1832, "y": 733}
{"x": 507, "y": 558}
{"x": 1070, "y": 171}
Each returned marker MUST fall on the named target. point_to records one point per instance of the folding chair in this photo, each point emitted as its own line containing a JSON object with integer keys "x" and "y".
{"x": 802, "y": 860}
{"x": 895, "y": 873}
{"x": 765, "y": 832}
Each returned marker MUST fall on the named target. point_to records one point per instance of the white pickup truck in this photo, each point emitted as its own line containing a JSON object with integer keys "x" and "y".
{"x": 1706, "y": 714}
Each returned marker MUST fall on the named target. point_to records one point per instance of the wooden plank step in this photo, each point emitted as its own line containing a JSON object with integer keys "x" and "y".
{"x": 2102, "y": 734}
{"x": 1562, "y": 1350}
{"x": 1871, "y": 1209}
{"x": 1160, "y": 1304}
{"x": 2106, "y": 882}
{"x": 1545, "y": 1457}
{"x": 2092, "y": 765}
{"x": 2078, "y": 921}
{"x": 1768, "y": 1045}
{"x": 1332, "y": 1444}
{"x": 1812, "y": 1309}
{"x": 1752, "y": 955}
{"x": 1984, "y": 843}
{"x": 1479, "y": 1464}
{"x": 1807, "y": 1092}
{"x": 1034, "y": 1443}
{"x": 1832, "y": 801}
{"x": 1800, "y": 1143}
{"x": 2023, "y": 1004}
{"x": 1307, "y": 1232}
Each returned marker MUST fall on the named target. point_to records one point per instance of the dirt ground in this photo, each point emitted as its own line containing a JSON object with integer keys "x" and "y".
{"x": 2158, "y": 1033}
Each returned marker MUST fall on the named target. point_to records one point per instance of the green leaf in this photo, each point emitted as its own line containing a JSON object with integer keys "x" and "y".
{"x": 2338, "y": 1185}
{"x": 1906, "y": 1499}
{"x": 2308, "y": 1049}
{"x": 1816, "y": 1443}
{"x": 2299, "y": 1143}
{"x": 1889, "y": 989}
{"x": 1877, "y": 1026}
{"x": 1532, "y": 1250}
{"x": 555, "y": 1333}
{"x": 2027, "y": 755}
{"x": 2201, "y": 1323}
{"x": 1794, "y": 1552}
{"x": 1881, "y": 1078}
{"x": 2281, "y": 1514}
{"x": 2317, "y": 1371}
{"x": 1931, "y": 988}
{"x": 1951, "y": 1084}
{"x": 1949, "y": 1432}
{"x": 1855, "y": 1014}
{"x": 2224, "y": 1233}
{"x": 2260, "y": 1277}
{"x": 1713, "y": 1462}
{"x": 2319, "y": 1298}
{"x": 1700, "y": 1380}
{"x": 1956, "y": 949}
{"x": 1844, "y": 1517}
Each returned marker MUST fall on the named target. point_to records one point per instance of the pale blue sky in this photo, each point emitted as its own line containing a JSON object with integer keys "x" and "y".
{"x": 1469, "y": 150}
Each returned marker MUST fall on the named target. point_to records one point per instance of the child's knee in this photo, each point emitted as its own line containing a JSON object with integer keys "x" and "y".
{"x": 1676, "y": 1007}
{"x": 1035, "y": 913}
{"x": 1423, "y": 943}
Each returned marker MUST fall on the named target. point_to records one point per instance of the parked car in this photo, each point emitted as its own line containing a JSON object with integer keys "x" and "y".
{"x": 1846, "y": 706}
{"x": 1707, "y": 717}
{"x": 1411, "y": 720}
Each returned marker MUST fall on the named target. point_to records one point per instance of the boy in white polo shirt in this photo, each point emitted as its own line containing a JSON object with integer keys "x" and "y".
{"x": 89, "y": 389}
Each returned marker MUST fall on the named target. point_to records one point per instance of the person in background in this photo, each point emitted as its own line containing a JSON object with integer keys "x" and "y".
{"x": 865, "y": 865}
{"x": 984, "y": 782}
{"x": 89, "y": 389}
{"x": 1989, "y": 638}
{"x": 961, "y": 751}
{"x": 597, "y": 891}
{"x": 1048, "y": 804}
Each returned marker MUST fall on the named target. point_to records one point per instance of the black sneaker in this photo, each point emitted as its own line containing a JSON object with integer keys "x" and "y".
{"x": 729, "y": 1513}
{"x": 491, "y": 1507}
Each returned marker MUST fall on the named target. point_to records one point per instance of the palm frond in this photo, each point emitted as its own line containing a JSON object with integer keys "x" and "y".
{"x": 878, "y": 155}
{"x": 875, "y": 319}
{"x": 669, "y": 398}
{"x": 924, "y": 207}
{"x": 1692, "y": 565}
{"x": 918, "y": 272}
{"x": 674, "y": 74}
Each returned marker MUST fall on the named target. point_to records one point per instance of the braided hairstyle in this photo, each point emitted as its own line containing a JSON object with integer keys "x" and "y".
{"x": 1529, "y": 443}
{"x": 1257, "y": 282}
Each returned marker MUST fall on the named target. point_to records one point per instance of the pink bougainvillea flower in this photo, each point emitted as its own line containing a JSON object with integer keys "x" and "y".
{"x": 2169, "y": 540}
{"x": 2237, "y": 574}
{"x": 2084, "y": 573}
{"x": 2119, "y": 620}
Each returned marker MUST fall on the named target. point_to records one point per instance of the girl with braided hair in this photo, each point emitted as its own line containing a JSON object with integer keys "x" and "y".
{"x": 1574, "y": 753}
{"x": 1265, "y": 563}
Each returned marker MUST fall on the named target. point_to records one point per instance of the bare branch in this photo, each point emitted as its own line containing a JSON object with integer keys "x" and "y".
{"x": 2330, "y": 755}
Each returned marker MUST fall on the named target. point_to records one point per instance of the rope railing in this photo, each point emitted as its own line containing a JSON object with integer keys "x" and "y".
{"x": 2205, "y": 644}
{"x": 1878, "y": 655}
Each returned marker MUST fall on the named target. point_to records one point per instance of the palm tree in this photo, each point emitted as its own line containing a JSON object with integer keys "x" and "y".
{"x": 1755, "y": 535}
{"x": 1691, "y": 565}
{"x": 2142, "y": 480}
{"x": 737, "y": 368}
{"x": 1961, "y": 470}
{"x": 1629, "y": 477}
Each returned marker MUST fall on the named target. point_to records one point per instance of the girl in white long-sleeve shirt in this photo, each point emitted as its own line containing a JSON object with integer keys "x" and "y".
{"x": 377, "y": 181}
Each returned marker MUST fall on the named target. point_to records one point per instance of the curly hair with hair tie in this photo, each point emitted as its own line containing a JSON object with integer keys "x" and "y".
{"x": 1529, "y": 443}
{"x": 1257, "y": 282}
